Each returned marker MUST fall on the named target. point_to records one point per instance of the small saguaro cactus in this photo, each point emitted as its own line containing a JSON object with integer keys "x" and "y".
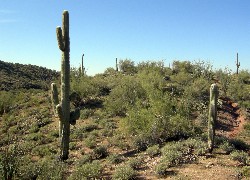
{"x": 116, "y": 64}
{"x": 83, "y": 68}
{"x": 237, "y": 65}
{"x": 62, "y": 109}
{"x": 212, "y": 117}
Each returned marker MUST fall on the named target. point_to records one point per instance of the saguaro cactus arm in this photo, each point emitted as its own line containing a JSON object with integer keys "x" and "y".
{"x": 212, "y": 118}
{"x": 54, "y": 97}
{"x": 60, "y": 38}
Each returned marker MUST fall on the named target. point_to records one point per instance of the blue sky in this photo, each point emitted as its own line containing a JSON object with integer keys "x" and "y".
{"x": 140, "y": 30}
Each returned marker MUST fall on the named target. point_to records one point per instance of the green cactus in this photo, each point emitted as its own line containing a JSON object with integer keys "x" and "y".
{"x": 212, "y": 117}
{"x": 82, "y": 68}
{"x": 62, "y": 109}
{"x": 116, "y": 64}
{"x": 237, "y": 65}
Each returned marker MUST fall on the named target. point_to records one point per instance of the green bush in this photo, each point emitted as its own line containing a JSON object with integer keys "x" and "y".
{"x": 161, "y": 169}
{"x": 127, "y": 66}
{"x": 88, "y": 170}
{"x": 100, "y": 152}
{"x": 124, "y": 96}
{"x": 90, "y": 142}
{"x": 227, "y": 147}
{"x": 240, "y": 156}
{"x": 153, "y": 150}
{"x": 9, "y": 162}
{"x": 135, "y": 163}
{"x": 115, "y": 158}
{"x": 124, "y": 172}
{"x": 187, "y": 151}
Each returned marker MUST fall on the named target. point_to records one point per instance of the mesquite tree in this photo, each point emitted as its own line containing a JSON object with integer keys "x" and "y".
{"x": 62, "y": 109}
{"x": 212, "y": 117}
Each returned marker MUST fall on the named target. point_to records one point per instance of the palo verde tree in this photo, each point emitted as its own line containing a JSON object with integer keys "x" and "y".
{"x": 62, "y": 109}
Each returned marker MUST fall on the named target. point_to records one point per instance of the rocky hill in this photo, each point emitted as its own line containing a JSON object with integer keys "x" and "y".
{"x": 19, "y": 76}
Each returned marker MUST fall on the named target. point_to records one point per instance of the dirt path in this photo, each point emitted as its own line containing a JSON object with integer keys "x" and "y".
{"x": 230, "y": 119}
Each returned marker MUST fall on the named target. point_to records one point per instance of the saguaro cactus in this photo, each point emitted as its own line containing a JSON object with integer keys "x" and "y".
{"x": 62, "y": 110}
{"x": 237, "y": 65}
{"x": 116, "y": 64}
{"x": 83, "y": 68}
{"x": 212, "y": 117}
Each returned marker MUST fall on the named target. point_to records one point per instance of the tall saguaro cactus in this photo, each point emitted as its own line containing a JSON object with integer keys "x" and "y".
{"x": 62, "y": 110}
{"x": 212, "y": 117}
{"x": 83, "y": 68}
{"x": 237, "y": 65}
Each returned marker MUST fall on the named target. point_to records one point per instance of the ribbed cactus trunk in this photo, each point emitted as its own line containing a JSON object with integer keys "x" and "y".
{"x": 64, "y": 46}
{"x": 237, "y": 64}
{"x": 62, "y": 110}
{"x": 212, "y": 117}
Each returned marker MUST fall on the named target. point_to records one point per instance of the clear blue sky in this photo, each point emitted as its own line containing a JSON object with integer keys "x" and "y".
{"x": 140, "y": 30}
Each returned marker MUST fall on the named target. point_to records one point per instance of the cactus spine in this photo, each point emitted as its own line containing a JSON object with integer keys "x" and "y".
{"x": 237, "y": 65}
{"x": 212, "y": 117}
{"x": 62, "y": 110}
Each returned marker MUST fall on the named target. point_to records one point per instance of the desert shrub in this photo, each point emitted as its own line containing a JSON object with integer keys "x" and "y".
{"x": 243, "y": 76}
{"x": 239, "y": 92}
{"x": 153, "y": 150}
{"x": 198, "y": 90}
{"x": 90, "y": 142}
{"x": 108, "y": 128}
{"x": 124, "y": 96}
{"x": 83, "y": 86}
{"x": 9, "y": 162}
{"x": 127, "y": 66}
{"x": 86, "y": 158}
{"x": 182, "y": 78}
{"x": 72, "y": 145}
{"x": 100, "y": 152}
{"x": 182, "y": 66}
{"x": 89, "y": 170}
{"x": 245, "y": 171}
{"x": 135, "y": 163}
{"x": 52, "y": 169}
{"x": 161, "y": 169}
{"x": 240, "y": 156}
{"x": 86, "y": 113}
{"x": 141, "y": 142}
{"x": 115, "y": 158}
{"x": 118, "y": 140}
{"x": 227, "y": 147}
{"x": 202, "y": 69}
{"x": 155, "y": 125}
{"x": 43, "y": 150}
{"x": 7, "y": 100}
{"x": 225, "y": 78}
{"x": 124, "y": 172}
{"x": 176, "y": 153}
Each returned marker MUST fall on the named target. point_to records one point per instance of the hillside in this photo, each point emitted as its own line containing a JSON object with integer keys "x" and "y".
{"x": 18, "y": 76}
{"x": 145, "y": 121}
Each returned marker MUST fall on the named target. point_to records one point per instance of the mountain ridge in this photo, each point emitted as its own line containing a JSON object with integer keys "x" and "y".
{"x": 20, "y": 76}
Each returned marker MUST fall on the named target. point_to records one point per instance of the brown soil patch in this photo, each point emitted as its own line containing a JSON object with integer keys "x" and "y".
{"x": 230, "y": 119}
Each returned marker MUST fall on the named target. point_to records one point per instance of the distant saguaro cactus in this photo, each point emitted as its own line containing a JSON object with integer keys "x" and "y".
{"x": 83, "y": 68}
{"x": 116, "y": 64}
{"x": 62, "y": 110}
{"x": 237, "y": 65}
{"x": 212, "y": 117}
